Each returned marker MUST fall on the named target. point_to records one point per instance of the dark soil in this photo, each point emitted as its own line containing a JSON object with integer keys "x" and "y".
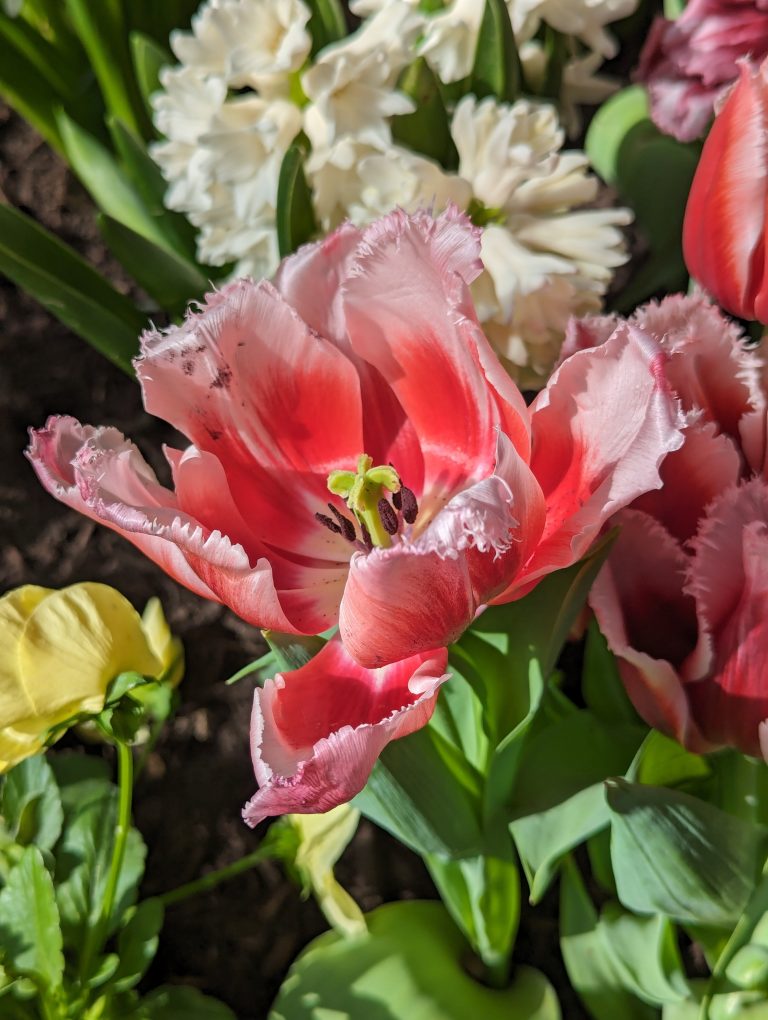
{"x": 238, "y": 941}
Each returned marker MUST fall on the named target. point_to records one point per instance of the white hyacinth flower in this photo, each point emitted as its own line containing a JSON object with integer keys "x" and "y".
{"x": 545, "y": 260}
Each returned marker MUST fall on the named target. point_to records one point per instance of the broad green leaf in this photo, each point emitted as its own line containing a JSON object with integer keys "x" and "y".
{"x": 292, "y": 651}
{"x": 425, "y": 793}
{"x": 610, "y": 126}
{"x": 677, "y": 855}
{"x": 459, "y": 717}
{"x": 496, "y": 68}
{"x": 588, "y": 957}
{"x": 482, "y": 894}
{"x": 102, "y": 31}
{"x": 408, "y": 965}
{"x": 661, "y": 761}
{"x": 171, "y": 280}
{"x": 326, "y": 23}
{"x": 295, "y": 216}
{"x": 601, "y": 684}
{"x": 102, "y": 176}
{"x": 137, "y": 944}
{"x": 148, "y": 60}
{"x": 69, "y": 288}
{"x": 543, "y": 839}
{"x": 647, "y": 953}
{"x": 180, "y": 1002}
{"x": 80, "y": 777}
{"x": 427, "y": 130}
{"x": 29, "y": 923}
{"x": 31, "y": 804}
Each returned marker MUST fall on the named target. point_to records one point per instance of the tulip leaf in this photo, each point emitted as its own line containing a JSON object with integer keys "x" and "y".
{"x": 410, "y": 963}
{"x": 601, "y": 685}
{"x": 68, "y": 287}
{"x": 292, "y": 651}
{"x": 181, "y": 1002}
{"x": 29, "y": 94}
{"x": 295, "y": 216}
{"x": 326, "y": 23}
{"x": 661, "y": 761}
{"x": 427, "y": 130}
{"x": 613, "y": 120}
{"x": 677, "y": 855}
{"x": 149, "y": 58}
{"x": 169, "y": 279}
{"x": 29, "y": 923}
{"x": 496, "y": 69}
{"x": 30, "y": 804}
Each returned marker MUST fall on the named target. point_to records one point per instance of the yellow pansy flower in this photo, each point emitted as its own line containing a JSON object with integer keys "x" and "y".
{"x": 59, "y": 651}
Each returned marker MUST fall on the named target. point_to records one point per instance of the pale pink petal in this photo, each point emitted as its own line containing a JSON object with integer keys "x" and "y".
{"x": 409, "y": 314}
{"x": 101, "y": 474}
{"x": 729, "y": 579}
{"x": 601, "y": 429}
{"x": 316, "y": 732}
{"x": 649, "y": 623}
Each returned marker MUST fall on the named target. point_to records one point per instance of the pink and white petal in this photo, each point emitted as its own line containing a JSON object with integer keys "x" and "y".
{"x": 601, "y": 430}
{"x": 590, "y": 331}
{"x": 649, "y": 623}
{"x": 316, "y": 732}
{"x": 405, "y": 299}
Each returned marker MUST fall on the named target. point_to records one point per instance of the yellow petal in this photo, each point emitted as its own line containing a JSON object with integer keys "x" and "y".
{"x": 18, "y": 744}
{"x": 167, "y": 648}
{"x": 74, "y": 643}
{"x": 15, "y": 609}
{"x": 323, "y": 839}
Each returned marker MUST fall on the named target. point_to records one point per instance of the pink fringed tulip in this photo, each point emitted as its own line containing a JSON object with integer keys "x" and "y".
{"x": 683, "y": 599}
{"x": 725, "y": 219}
{"x": 689, "y": 63}
{"x": 357, "y": 453}
{"x": 317, "y": 731}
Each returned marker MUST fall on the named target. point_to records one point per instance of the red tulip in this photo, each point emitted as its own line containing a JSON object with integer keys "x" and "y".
{"x": 725, "y": 219}
{"x": 683, "y": 598}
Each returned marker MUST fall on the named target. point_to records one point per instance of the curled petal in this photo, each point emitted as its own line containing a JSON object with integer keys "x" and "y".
{"x": 316, "y": 732}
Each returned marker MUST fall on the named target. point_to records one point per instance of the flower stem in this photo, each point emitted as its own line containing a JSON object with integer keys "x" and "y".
{"x": 214, "y": 878}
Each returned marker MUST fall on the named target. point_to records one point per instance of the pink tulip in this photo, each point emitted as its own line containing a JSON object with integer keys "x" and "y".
{"x": 688, "y": 64}
{"x": 317, "y": 731}
{"x": 683, "y": 599}
{"x": 725, "y": 219}
{"x": 357, "y": 453}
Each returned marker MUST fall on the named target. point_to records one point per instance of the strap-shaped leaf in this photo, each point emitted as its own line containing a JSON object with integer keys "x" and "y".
{"x": 148, "y": 59}
{"x": 295, "y": 217}
{"x": 326, "y": 24}
{"x": 427, "y": 129}
{"x": 496, "y": 69}
{"x": 69, "y": 288}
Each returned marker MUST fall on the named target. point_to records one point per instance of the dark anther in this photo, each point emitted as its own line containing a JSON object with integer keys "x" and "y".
{"x": 366, "y": 536}
{"x": 397, "y": 500}
{"x": 328, "y": 523}
{"x": 388, "y": 517}
{"x": 410, "y": 507}
{"x": 347, "y": 527}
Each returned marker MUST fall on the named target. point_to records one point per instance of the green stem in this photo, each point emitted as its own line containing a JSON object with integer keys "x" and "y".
{"x": 214, "y": 878}
{"x": 97, "y": 934}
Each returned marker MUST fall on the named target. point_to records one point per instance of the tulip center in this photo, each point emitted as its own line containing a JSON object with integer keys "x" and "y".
{"x": 366, "y": 491}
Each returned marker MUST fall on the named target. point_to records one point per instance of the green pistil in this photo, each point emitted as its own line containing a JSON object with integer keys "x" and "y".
{"x": 362, "y": 489}
{"x": 481, "y": 215}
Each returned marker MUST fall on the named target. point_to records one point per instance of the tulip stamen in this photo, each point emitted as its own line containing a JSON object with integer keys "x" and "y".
{"x": 389, "y": 519}
{"x": 363, "y": 491}
{"x": 326, "y": 521}
{"x": 347, "y": 527}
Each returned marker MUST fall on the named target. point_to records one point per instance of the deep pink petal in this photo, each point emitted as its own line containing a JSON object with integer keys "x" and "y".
{"x": 649, "y": 623}
{"x": 729, "y": 579}
{"x": 409, "y": 314}
{"x": 316, "y": 732}
{"x": 601, "y": 429}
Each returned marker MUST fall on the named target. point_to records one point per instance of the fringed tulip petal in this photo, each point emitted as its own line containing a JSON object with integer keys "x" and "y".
{"x": 317, "y": 731}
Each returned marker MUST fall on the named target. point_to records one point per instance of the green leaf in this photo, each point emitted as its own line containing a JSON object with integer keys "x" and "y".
{"x": 426, "y": 794}
{"x": 601, "y": 684}
{"x": 23, "y": 88}
{"x": 171, "y": 280}
{"x": 102, "y": 176}
{"x": 647, "y": 953}
{"x": 101, "y": 28}
{"x": 427, "y": 130}
{"x": 608, "y": 129}
{"x": 148, "y": 60}
{"x": 183, "y": 1003}
{"x": 326, "y": 23}
{"x": 68, "y": 287}
{"x": 292, "y": 651}
{"x": 29, "y": 923}
{"x": 50, "y": 62}
{"x": 80, "y": 778}
{"x": 677, "y": 855}
{"x": 482, "y": 895}
{"x": 83, "y": 858}
{"x": 408, "y": 965}
{"x": 459, "y": 718}
{"x": 137, "y": 944}
{"x": 31, "y": 804}
{"x": 295, "y": 216}
{"x": 496, "y": 68}
{"x": 661, "y": 761}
